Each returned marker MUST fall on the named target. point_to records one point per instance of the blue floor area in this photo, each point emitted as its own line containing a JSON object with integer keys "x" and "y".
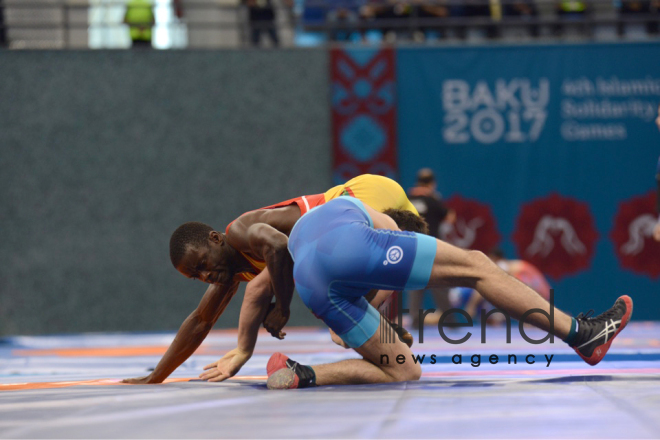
{"x": 67, "y": 387}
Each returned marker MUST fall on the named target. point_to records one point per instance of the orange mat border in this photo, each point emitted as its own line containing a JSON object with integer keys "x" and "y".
{"x": 66, "y": 384}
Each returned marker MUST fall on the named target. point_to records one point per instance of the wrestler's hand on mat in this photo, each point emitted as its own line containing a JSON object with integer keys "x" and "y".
{"x": 226, "y": 367}
{"x": 275, "y": 320}
{"x": 337, "y": 340}
{"x": 140, "y": 380}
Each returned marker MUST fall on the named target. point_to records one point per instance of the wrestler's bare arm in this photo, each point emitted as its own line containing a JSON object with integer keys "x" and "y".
{"x": 258, "y": 295}
{"x": 192, "y": 333}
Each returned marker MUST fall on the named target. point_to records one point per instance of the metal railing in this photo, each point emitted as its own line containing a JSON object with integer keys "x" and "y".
{"x": 219, "y": 21}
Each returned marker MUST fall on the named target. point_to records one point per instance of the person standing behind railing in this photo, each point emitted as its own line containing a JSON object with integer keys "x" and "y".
{"x": 261, "y": 16}
{"x": 438, "y": 10}
{"x": 638, "y": 8}
{"x": 394, "y": 16}
{"x": 572, "y": 8}
{"x": 3, "y": 33}
{"x": 345, "y": 12}
{"x": 524, "y": 10}
{"x": 140, "y": 19}
{"x": 574, "y": 11}
{"x": 481, "y": 10}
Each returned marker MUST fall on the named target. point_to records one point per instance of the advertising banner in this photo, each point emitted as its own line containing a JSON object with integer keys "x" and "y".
{"x": 557, "y": 145}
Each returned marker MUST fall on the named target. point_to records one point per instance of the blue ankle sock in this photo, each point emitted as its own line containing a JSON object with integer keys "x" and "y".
{"x": 306, "y": 376}
{"x": 572, "y": 334}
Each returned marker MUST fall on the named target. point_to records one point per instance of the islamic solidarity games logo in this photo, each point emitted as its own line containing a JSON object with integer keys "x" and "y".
{"x": 394, "y": 255}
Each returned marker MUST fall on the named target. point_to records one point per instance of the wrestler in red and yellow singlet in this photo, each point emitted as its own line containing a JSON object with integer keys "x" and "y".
{"x": 379, "y": 192}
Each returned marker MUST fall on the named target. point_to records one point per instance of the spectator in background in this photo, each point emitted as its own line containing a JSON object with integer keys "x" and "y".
{"x": 520, "y": 8}
{"x": 428, "y": 202}
{"x": 303, "y": 14}
{"x": 3, "y": 31}
{"x": 477, "y": 8}
{"x": 481, "y": 9}
{"x": 457, "y": 8}
{"x": 394, "y": 16}
{"x": 523, "y": 9}
{"x": 572, "y": 11}
{"x": 427, "y": 10}
{"x": 177, "y": 6}
{"x": 140, "y": 19}
{"x": 345, "y": 11}
{"x": 261, "y": 16}
{"x": 634, "y": 8}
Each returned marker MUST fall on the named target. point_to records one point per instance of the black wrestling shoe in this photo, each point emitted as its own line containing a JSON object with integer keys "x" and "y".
{"x": 595, "y": 335}
{"x": 286, "y": 374}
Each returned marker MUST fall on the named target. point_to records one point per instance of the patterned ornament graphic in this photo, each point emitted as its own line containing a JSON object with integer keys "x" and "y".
{"x": 632, "y": 235}
{"x": 475, "y": 226}
{"x": 363, "y": 112}
{"x": 557, "y": 234}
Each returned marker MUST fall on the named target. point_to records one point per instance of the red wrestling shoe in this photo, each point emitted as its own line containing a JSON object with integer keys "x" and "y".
{"x": 286, "y": 374}
{"x": 595, "y": 335}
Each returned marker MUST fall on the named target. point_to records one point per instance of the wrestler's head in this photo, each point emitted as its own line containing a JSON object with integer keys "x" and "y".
{"x": 199, "y": 252}
{"x": 407, "y": 221}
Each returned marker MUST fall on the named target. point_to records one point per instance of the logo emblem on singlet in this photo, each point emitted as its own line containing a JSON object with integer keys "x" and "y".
{"x": 394, "y": 255}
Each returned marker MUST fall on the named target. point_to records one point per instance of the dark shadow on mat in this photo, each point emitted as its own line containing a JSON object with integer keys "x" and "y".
{"x": 250, "y": 384}
{"x": 467, "y": 383}
{"x": 594, "y": 378}
{"x": 236, "y": 382}
{"x": 419, "y": 385}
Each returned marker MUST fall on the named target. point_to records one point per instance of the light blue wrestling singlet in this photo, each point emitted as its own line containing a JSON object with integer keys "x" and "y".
{"x": 339, "y": 257}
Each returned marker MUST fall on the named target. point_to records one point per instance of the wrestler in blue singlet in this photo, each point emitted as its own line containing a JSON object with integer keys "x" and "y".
{"x": 339, "y": 257}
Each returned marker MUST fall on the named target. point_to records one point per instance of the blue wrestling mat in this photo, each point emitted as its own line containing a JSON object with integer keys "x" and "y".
{"x": 68, "y": 387}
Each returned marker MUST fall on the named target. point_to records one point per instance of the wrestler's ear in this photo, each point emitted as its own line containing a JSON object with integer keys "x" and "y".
{"x": 216, "y": 237}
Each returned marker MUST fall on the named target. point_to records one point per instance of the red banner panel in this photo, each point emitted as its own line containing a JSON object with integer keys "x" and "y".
{"x": 363, "y": 112}
{"x": 557, "y": 234}
{"x": 632, "y": 235}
